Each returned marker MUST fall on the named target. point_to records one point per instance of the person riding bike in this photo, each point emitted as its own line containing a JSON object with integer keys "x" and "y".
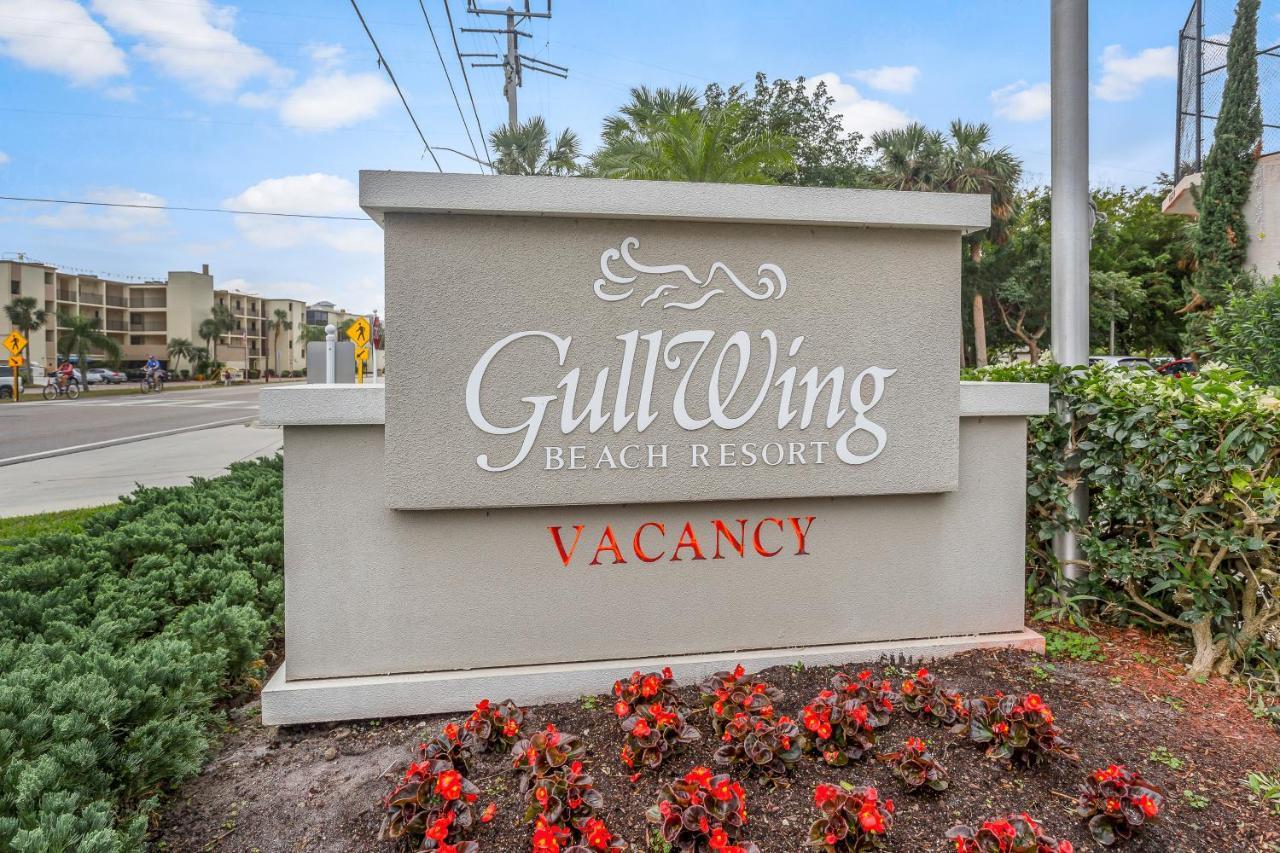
{"x": 66, "y": 373}
{"x": 152, "y": 369}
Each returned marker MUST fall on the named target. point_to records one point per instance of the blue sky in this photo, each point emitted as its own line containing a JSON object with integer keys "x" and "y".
{"x": 276, "y": 105}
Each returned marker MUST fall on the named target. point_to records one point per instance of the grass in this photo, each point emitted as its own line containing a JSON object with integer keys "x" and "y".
{"x": 28, "y": 526}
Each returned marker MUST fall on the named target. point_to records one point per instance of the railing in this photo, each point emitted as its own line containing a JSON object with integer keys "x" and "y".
{"x": 67, "y": 296}
{"x": 146, "y": 327}
{"x": 144, "y": 302}
{"x": 118, "y": 301}
{"x": 117, "y": 326}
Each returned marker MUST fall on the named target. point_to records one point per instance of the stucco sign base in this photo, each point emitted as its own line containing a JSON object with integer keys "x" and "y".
{"x": 320, "y": 700}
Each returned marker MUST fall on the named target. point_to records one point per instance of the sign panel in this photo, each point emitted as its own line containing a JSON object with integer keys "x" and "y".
{"x": 607, "y": 361}
{"x": 358, "y": 332}
{"x": 16, "y": 361}
{"x": 15, "y": 342}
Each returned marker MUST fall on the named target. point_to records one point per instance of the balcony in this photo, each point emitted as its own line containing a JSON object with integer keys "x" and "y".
{"x": 117, "y": 301}
{"x": 67, "y": 296}
{"x": 139, "y": 301}
{"x": 117, "y": 326}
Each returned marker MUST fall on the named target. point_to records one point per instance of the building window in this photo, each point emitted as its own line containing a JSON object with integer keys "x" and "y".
{"x": 15, "y": 287}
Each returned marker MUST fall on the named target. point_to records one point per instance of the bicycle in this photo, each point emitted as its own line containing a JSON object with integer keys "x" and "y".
{"x": 154, "y": 382}
{"x": 55, "y": 389}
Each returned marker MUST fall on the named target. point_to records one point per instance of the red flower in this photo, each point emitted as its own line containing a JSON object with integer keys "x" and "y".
{"x": 1148, "y": 805}
{"x": 722, "y": 790}
{"x": 649, "y": 687}
{"x": 488, "y": 813}
{"x": 596, "y": 834}
{"x": 823, "y": 794}
{"x": 449, "y": 784}
{"x": 1111, "y": 773}
{"x": 666, "y": 672}
{"x": 864, "y": 675}
{"x": 1001, "y": 728}
{"x": 738, "y": 671}
{"x": 1033, "y": 702}
{"x": 641, "y": 729}
{"x": 451, "y": 732}
{"x": 870, "y": 819}
{"x": 622, "y": 709}
{"x": 922, "y": 673}
{"x": 439, "y": 830}
{"x": 914, "y": 744}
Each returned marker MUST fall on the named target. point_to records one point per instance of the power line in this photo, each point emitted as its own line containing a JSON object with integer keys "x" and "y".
{"x": 448, "y": 78}
{"x": 466, "y": 80}
{"x": 383, "y": 62}
{"x": 182, "y": 208}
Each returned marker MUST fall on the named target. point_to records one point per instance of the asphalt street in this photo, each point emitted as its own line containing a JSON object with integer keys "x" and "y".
{"x": 34, "y": 428}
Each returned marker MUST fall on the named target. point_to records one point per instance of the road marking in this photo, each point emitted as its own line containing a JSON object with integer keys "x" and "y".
{"x": 62, "y": 451}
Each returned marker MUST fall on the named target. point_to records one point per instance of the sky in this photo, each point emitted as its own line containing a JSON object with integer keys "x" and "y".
{"x": 275, "y": 105}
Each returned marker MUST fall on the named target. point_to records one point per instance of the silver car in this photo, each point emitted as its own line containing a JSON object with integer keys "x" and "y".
{"x": 1126, "y": 362}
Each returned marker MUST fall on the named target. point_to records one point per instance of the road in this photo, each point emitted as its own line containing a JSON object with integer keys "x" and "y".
{"x": 31, "y": 429}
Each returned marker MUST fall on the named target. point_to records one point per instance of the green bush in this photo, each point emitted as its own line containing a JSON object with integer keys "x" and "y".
{"x": 1245, "y": 331}
{"x": 115, "y": 643}
{"x": 1184, "y": 488}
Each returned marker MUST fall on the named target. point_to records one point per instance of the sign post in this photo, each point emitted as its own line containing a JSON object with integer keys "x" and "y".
{"x": 15, "y": 343}
{"x": 359, "y": 333}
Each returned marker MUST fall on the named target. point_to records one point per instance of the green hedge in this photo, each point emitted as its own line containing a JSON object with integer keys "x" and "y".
{"x": 1184, "y": 485}
{"x": 115, "y": 644}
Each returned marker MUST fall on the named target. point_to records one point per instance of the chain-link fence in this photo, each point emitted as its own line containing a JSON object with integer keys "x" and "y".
{"x": 1202, "y": 73}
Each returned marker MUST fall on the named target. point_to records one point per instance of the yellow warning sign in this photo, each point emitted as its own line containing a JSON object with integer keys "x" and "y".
{"x": 16, "y": 361}
{"x": 15, "y": 342}
{"x": 359, "y": 332}
{"x": 362, "y": 354}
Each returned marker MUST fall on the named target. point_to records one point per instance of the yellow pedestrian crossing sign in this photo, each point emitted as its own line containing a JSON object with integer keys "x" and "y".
{"x": 15, "y": 342}
{"x": 16, "y": 361}
{"x": 359, "y": 332}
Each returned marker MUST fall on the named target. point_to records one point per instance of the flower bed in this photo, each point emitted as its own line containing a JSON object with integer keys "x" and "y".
{"x": 1106, "y": 723}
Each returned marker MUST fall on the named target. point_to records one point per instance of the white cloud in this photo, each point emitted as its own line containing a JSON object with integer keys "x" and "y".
{"x": 126, "y": 224}
{"x": 1123, "y": 76}
{"x": 304, "y": 290}
{"x": 859, "y": 114}
{"x": 899, "y": 79}
{"x": 1022, "y": 101}
{"x": 317, "y": 194}
{"x": 59, "y": 36}
{"x": 191, "y": 42}
{"x": 4, "y": 159}
{"x": 326, "y": 55}
{"x": 335, "y": 99}
{"x": 120, "y": 93}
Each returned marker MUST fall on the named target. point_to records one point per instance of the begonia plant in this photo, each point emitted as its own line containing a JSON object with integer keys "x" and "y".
{"x": 653, "y": 732}
{"x": 924, "y": 697}
{"x": 431, "y": 809}
{"x": 496, "y": 728}
{"x": 702, "y": 812}
{"x": 1018, "y": 730}
{"x": 1118, "y": 802}
{"x": 852, "y": 819}
{"x": 1015, "y": 833}
{"x": 916, "y": 767}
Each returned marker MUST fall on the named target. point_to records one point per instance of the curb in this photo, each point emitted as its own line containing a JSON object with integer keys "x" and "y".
{"x": 112, "y": 442}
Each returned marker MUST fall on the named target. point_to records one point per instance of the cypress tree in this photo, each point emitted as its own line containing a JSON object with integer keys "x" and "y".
{"x": 1223, "y": 235}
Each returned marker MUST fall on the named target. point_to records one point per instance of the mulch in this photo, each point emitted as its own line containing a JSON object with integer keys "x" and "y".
{"x": 318, "y": 787}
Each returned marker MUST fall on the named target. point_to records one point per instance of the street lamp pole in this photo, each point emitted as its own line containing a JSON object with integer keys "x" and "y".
{"x": 1072, "y": 219}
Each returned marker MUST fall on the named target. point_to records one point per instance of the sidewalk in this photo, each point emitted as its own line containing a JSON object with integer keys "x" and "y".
{"x": 97, "y": 477}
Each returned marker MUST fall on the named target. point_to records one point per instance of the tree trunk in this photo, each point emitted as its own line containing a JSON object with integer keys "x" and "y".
{"x": 979, "y": 330}
{"x": 1206, "y": 651}
{"x": 1033, "y": 351}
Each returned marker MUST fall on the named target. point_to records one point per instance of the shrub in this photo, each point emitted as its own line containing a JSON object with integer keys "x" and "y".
{"x": 878, "y": 697}
{"x": 115, "y": 644}
{"x": 923, "y": 697}
{"x": 545, "y": 753}
{"x": 915, "y": 766}
{"x": 729, "y": 694}
{"x": 652, "y": 733}
{"x": 496, "y": 728}
{"x": 841, "y": 729}
{"x": 453, "y": 745}
{"x": 702, "y": 812}
{"x": 853, "y": 819}
{"x": 651, "y": 686}
{"x": 431, "y": 808}
{"x": 1184, "y": 477}
{"x": 1118, "y": 802}
{"x": 1244, "y": 331}
{"x": 763, "y": 745}
{"x": 1018, "y": 731}
{"x": 568, "y": 796}
{"x": 1015, "y": 833}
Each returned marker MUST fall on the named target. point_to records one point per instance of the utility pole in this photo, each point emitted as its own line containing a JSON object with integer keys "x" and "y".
{"x": 513, "y": 63}
{"x": 1072, "y": 219}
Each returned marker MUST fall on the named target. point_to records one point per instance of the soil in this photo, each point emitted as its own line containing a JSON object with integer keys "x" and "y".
{"x": 318, "y": 788}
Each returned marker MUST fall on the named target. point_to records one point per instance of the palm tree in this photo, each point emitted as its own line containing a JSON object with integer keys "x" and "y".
{"x": 180, "y": 348}
{"x": 26, "y": 316}
{"x": 310, "y": 333}
{"x": 916, "y": 158}
{"x": 526, "y": 149}
{"x": 695, "y": 145}
{"x": 280, "y": 322}
{"x": 218, "y": 323}
{"x": 80, "y": 334}
{"x": 647, "y": 110}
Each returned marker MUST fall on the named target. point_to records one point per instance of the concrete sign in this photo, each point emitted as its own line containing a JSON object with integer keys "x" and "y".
{"x": 631, "y": 424}
{"x": 614, "y": 361}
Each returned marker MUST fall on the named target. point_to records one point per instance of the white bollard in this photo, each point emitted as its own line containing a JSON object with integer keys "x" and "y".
{"x": 330, "y": 352}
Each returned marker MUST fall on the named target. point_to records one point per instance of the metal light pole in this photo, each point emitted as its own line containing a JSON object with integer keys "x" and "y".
{"x": 1069, "y": 93}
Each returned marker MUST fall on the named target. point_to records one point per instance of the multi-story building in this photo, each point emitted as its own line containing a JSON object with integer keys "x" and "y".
{"x": 143, "y": 316}
{"x": 323, "y": 313}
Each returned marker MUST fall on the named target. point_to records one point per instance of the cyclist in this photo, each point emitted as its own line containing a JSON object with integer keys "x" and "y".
{"x": 66, "y": 373}
{"x": 152, "y": 368}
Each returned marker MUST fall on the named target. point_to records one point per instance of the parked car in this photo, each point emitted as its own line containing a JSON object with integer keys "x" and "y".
{"x": 104, "y": 376}
{"x": 1124, "y": 362}
{"x": 1178, "y": 367}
